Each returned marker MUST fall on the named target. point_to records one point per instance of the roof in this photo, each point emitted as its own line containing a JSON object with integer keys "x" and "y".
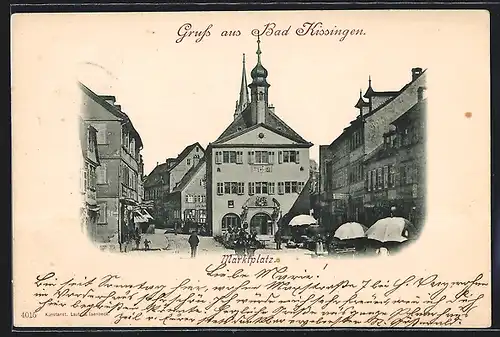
{"x": 154, "y": 178}
{"x": 396, "y": 95}
{"x": 115, "y": 110}
{"x": 352, "y": 125}
{"x": 186, "y": 151}
{"x": 189, "y": 175}
{"x": 415, "y": 109}
{"x": 370, "y": 92}
{"x": 243, "y": 123}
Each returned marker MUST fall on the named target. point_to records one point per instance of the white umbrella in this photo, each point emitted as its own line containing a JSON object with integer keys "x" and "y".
{"x": 350, "y": 230}
{"x": 302, "y": 219}
{"x": 390, "y": 230}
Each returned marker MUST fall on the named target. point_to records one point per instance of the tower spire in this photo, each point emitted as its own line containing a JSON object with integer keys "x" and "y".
{"x": 369, "y": 81}
{"x": 244, "y": 98}
{"x": 258, "y": 49}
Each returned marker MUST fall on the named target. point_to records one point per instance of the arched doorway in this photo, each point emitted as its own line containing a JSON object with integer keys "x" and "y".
{"x": 230, "y": 220}
{"x": 261, "y": 223}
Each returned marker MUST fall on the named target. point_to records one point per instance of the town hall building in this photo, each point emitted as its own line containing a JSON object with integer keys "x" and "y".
{"x": 258, "y": 168}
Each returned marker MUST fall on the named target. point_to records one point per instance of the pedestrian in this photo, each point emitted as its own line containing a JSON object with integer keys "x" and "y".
{"x": 146, "y": 244}
{"x": 193, "y": 242}
{"x": 277, "y": 239}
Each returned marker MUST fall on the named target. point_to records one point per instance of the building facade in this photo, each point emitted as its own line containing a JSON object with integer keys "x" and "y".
{"x": 186, "y": 204}
{"x": 258, "y": 167}
{"x": 88, "y": 185}
{"x": 120, "y": 170}
{"x": 343, "y": 182}
{"x": 395, "y": 172}
{"x": 165, "y": 178}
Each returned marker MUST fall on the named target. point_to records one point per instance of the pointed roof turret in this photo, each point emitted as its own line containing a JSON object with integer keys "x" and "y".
{"x": 361, "y": 102}
{"x": 369, "y": 91}
{"x": 244, "y": 98}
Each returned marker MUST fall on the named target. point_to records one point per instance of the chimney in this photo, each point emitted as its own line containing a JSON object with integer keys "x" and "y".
{"x": 119, "y": 107}
{"x": 271, "y": 108}
{"x": 415, "y": 72}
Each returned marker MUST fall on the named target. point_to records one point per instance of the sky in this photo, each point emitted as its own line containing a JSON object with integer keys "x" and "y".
{"x": 180, "y": 93}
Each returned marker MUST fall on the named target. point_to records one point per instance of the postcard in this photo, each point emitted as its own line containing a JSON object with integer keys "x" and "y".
{"x": 251, "y": 169}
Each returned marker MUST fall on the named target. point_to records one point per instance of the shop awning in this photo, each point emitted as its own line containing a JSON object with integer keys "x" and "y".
{"x": 138, "y": 217}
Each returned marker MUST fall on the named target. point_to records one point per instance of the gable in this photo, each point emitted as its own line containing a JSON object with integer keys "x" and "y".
{"x": 260, "y": 135}
{"x": 272, "y": 121}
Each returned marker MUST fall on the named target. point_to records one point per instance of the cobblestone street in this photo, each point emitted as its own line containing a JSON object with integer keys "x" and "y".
{"x": 178, "y": 244}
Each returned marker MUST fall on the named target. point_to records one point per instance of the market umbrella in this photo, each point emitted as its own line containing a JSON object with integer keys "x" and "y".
{"x": 301, "y": 220}
{"x": 394, "y": 229}
{"x": 350, "y": 230}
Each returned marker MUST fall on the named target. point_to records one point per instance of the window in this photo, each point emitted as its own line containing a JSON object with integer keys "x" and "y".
{"x": 280, "y": 157}
{"x": 83, "y": 180}
{"x": 288, "y": 186}
{"x": 241, "y": 188}
{"x": 392, "y": 174}
{"x": 202, "y": 215}
{"x": 101, "y": 133}
{"x": 101, "y": 173}
{"x": 251, "y": 188}
{"x": 203, "y": 199}
{"x": 197, "y": 149}
{"x": 294, "y": 187}
{"x": 261, "y": 157}
{"x": 132, "y": 146}
{"x": 271, "y": 157}
{"x": 234, "y": 188}
{"x": 220, "y": 188}
{"x": 369, "y": 180}
{"x": 281, "y": 189}
{"x": 290, "y": 157}
{"x": 270, "y": 187}
{"x": 188, "y": 161}
{"x": 409, "y": 174}
{"x": 227, "y": 188}
{"x": 286, "y": 156}
{"x": 264, "y": 188}
{"x": 386, "y": 176}
{"x": 379, "y": 179}
{"x": 258, "y": 188}
{"x": 103, "y": 214}
{"x": 239, "y": 157}
{"x": 251, "y": 156}
{"x": 187, "y": 198}
{"x": 230, "y": 221}
{"x": 232, "y": 157}
{"x": 225, "y": 157}
{"x": 301, "y": 186}
{"x": 218, "y": 157}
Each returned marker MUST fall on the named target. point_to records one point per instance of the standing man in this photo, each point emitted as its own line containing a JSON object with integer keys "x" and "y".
{"x": 277, "y": 239}
{"x": 193, "y": 242}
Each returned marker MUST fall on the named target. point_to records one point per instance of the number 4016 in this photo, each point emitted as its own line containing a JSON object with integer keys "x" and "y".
{"x": 28, "y": 315}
